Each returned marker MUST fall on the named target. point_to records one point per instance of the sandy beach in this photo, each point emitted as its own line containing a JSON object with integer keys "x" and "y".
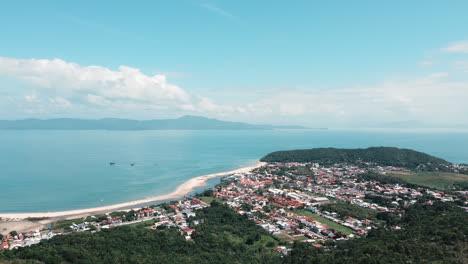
{"x": 182, "y": 190}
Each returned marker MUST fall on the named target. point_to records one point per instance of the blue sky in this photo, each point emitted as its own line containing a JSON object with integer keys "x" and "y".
{"x": 325, "y": 63}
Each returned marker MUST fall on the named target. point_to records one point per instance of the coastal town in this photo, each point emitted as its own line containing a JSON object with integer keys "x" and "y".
{"x": 303, "y": 202}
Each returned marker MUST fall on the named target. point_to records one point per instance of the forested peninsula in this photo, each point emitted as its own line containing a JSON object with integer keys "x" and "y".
{"x": 384, "y": 156}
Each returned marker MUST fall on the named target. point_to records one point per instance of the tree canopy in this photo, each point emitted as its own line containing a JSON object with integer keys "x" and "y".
{"x": 385, "y": 156}
{"x": 429, "y": 234}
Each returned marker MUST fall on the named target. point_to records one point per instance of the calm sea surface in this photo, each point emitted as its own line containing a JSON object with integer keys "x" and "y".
{"x": 61, "y": 170}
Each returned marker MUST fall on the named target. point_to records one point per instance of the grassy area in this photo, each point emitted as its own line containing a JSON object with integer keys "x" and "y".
{"x": 143, "y": 224}
{"x": 284, "y": 237}
{"x": 66, "y": 223}
{"x": 266, "y": 241}
{"x": 344, "y": 210}
{"x": 36, "y": 219}
{"x": 324, "y": 220}
{"x": 300, "y": 238}
{"x": 288, "y": 238}
{"x": 209, "y": 199}
{"x": 438, "y": 180}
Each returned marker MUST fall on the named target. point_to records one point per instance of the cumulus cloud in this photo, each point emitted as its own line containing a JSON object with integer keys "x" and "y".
{"x": 457, "y": 47}
{"x": 60, "y": 88}
{"x": 93, "y": 83}
{"x": 58, "y": 84}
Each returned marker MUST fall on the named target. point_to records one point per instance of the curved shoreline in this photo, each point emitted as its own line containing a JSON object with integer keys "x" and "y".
{"x": 181, "y": 190}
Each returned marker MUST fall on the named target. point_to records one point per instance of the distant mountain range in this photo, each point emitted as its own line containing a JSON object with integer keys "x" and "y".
{"x": 183, "y": 123}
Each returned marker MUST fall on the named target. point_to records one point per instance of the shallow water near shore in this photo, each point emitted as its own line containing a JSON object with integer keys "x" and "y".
{"x": 44, "y": 171}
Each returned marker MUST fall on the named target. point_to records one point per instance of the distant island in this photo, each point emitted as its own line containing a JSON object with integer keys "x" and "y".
{"x": 187, "y": 122}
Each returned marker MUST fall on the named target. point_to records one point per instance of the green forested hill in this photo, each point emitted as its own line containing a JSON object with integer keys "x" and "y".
{"x": 224, "y": 237}
{"x": 385, "y": 156}
{"x": 429, "y": 234}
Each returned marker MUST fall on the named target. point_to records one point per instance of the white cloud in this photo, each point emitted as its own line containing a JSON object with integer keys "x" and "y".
{"x": 457, "y": 47}
{"x": 59, "y": 75}
{"x": 57, "y": 85}
{"x": 31, "y": 98}
{"x": 432, "y": 99}
{"x": 94, "y": 84}
{"x": 59, "y": 88}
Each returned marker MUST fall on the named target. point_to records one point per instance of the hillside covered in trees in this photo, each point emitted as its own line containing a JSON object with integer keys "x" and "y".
{"x": 428, "y": 234}
{"x": 224, "y": 237}
{"x": 384, "y": 156}
{"x": 435, "y": 233}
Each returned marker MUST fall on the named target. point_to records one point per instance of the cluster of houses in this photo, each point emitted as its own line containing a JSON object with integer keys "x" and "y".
{"x": 276, "y": 196}
{"x": 26, "y": 239}
{"x": 174, "y": 217}
{"x": 177, "y": 217}
{"x": 285, "y": 199}
{"x": 272, "y": 206}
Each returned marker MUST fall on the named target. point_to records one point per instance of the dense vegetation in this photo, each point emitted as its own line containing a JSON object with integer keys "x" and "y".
{"x": 429, "y": 234}
{"x": 224, "y": 237}
{"x": 385, "y": 156}
{"x": 382, "y": 178}
{"x": 462, "y": 185}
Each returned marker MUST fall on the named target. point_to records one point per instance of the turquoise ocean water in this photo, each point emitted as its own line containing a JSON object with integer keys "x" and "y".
{"x": 62, "y": 170}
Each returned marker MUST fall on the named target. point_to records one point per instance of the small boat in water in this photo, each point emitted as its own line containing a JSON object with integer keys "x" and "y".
{"x": 111, "y": 163}
{"x": 132, "y": 164}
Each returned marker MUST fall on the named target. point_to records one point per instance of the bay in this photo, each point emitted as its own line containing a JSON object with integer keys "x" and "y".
{"x": 43, "y": 170}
